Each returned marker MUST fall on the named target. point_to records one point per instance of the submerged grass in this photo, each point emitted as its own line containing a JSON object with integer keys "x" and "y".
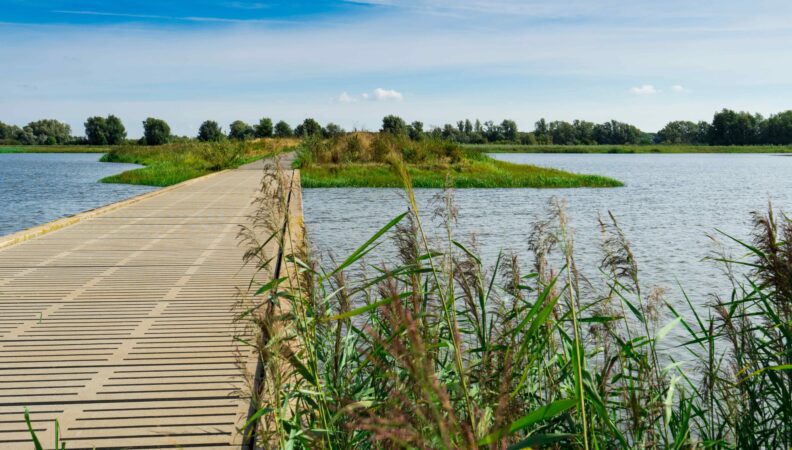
{"x": 173, "y": 163}
{"x": 648, "y": 148}
{"x": 432, "y": 348}
{"x": 365, "y": 160}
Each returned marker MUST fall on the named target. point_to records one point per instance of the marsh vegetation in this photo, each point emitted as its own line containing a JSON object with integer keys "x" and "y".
{"x": 173, "y": 163}
{"x": 369, "y": 160}
{"x": 432, "y": 347}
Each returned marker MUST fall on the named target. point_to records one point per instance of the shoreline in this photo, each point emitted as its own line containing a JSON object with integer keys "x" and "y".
{"x": 630, "y": 149}
{"x": 18, "y": 237}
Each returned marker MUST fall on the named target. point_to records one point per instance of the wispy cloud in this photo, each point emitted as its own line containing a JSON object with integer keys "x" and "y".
{"x": 172, "y": 18}
{"x": 378, "y": 95}
{"x": 387, "y": 95}
{"x": 110, "y": 14}
{"x": 646, "y": 89}
{"x": 678, "y": 88}
{"x": 344, "y": 97}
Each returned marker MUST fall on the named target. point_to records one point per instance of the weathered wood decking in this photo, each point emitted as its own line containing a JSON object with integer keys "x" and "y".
{"x": 121, "y": 325}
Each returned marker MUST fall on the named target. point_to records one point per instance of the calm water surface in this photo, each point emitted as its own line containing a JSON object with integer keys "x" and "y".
{"x": 668, "y": 207}
{"x": 36, "y": 188}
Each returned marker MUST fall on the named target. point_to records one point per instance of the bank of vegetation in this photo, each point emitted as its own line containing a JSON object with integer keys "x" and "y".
{"x": 728, "y": 128}
{"x": 371, "y": 159}
{"x": 654, "y": 148}
{"x": 432, "y": 347}
{"x": 169, "y": 164}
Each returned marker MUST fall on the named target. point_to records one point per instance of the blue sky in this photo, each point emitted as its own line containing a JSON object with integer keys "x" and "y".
{"x": 645, "y": 62}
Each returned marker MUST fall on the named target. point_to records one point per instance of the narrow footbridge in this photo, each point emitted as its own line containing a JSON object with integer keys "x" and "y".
{"x": 119, "y": 323}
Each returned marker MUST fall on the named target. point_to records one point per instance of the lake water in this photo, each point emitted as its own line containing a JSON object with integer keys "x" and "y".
{"x": 668, "y": 207}
{"x": 36, "y": 188}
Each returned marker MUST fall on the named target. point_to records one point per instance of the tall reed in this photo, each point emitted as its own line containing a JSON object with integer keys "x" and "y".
{"x": 432, "y": 348}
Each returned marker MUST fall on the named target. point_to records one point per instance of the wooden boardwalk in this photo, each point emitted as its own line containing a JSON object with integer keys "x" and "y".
{"x": 121, "y": 325}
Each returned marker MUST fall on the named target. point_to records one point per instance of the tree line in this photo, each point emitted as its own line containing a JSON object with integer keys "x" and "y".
{"x": 728, "y": 127}
{"x": 111, "y": 131}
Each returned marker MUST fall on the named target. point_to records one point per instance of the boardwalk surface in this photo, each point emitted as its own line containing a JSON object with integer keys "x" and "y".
{"x": 121, "y": 326}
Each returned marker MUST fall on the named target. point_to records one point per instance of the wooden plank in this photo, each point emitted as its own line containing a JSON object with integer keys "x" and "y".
{"x": 120, "y": 325}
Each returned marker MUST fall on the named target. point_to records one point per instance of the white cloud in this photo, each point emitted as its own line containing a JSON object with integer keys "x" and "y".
{"x": 385, "y": 95}
{"x": 378, "y": 95}
{"x": 678, "y": 88}
{"x": 346, "y": 98}
{"x": 646, "y": 89}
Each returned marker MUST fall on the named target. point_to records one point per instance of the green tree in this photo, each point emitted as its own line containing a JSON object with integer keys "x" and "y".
{"x": 735, "y": 128}
{"x": 679, "y": 132}
{"x": 468, "y": 127}
{"x": 703, "y": 132}
{"x": 96, "y": 130}
{"x": 461, "y": 126}
{"x": 449, "y": 132}
{"x": 115, "y": 130}
{"x": 509, "y": 130}
{"x": 104, "y": 131}
{"x": 9, "y": 133}
{"x": 584, "y": 132}
{"x": 616, "y": 133}
{"x": 332, "y": 130}
{"x": 493, "y": 132}
{"x": 394, "y": 125}
{"x": 240, "y": 131}
{"x": 562, "y": 133}
{"x": 308, "y": 128}
{"x": 528, "y": 138}
{"x": 264, "y": 128}
{"x": 282, "y": 130}
{"x": 415, "y": 130}
{"x": 542, "y": 132}
{"x": 156, "y": 131}
{"x": 779, "y": 129}
{"x": 45, "y": 132}
{"x": 210, "y": 131}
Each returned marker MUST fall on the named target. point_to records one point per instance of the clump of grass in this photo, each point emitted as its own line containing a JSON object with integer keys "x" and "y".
{"x": 173, "y": 163}
{"x": 363, "y": 160}
{"x": 434, "y": 349}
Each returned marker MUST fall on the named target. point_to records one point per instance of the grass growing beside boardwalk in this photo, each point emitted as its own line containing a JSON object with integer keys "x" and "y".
{"x": 512, "y": 148}
{"x": 365, "y": 160}
{"x": 434, "y": 348}
{"x": 173, "y": 163}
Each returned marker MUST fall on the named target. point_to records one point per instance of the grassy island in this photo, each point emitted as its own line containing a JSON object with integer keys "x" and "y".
{"x": 366, "y": 160}
{"x": 173, "y": 163}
